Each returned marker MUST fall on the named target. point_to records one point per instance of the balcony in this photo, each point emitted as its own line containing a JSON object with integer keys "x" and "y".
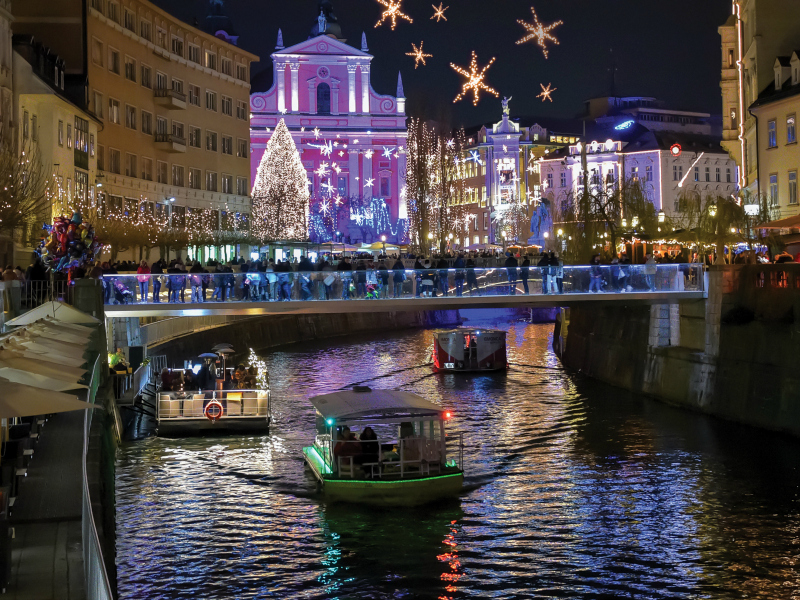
{"x": 170, "y": 99}
{"x": 170, "y": 142}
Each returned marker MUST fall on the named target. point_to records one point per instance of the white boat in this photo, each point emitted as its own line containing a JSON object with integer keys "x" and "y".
{"x": 200, "y": 412}
{"x": 406, "y": 464}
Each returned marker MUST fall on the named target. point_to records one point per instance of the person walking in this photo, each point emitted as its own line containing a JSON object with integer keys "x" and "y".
{"x": 524, "y": 273}
{"x": 650, "y": 270}
{"x": 444, "y": 279}
{"x": 398, "y": 277}
{"x": 596, "y": 275}
{"x": 511, "y": 265}
{"x": 346, "y": 270}
{"x": 157, "y": 273}
{"x": 557, "y": 263}
{"x": 361, "y": 279}
{"x": 460, "y": 274}
{"x": 418, "y": 269}
{"x": 472, "y": 277}
{"x": 196, "y": 282}
{"x": 143, "y": 277}
{"x": 544, "y": 269}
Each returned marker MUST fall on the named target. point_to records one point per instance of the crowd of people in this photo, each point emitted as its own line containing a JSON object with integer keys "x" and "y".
{"x": 185, "y": 380}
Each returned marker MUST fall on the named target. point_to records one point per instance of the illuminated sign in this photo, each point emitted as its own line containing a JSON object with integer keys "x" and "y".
{"x": 625, "y": 125}
{"x": 675, "y": 150}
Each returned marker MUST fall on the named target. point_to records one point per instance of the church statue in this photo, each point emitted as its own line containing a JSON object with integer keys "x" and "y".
{"x": 506, "y": 110}
{"x": 323, "y": 22}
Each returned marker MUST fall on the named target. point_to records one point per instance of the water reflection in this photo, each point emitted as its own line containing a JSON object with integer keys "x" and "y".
{"x": 574, "y": 490}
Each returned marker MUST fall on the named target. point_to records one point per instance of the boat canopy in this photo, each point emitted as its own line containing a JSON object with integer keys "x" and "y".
{"x": 466, "y": 330}
{"x": 348, "y": 404}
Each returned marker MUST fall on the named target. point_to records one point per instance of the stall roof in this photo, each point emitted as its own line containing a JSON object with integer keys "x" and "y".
{"x": 349, "y": 403}
{"x": 57, "y": 310}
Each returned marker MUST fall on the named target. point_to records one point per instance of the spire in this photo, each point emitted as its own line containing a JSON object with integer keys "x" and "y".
{"x": 364, "y": 42}
{"x": 279, "y": 45}
{"x": 400, "y": 92}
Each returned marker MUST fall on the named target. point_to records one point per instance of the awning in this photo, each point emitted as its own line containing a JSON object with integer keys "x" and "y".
{"x": 349, "y": 403}
{"x": 39, "y": 381}
{"x": 57, "y": 310}
{"x": 787, "y": 223}
{"x": 19, "y": 400}
{"x": 42, "y": 354}
{"x": 15, "y": 360}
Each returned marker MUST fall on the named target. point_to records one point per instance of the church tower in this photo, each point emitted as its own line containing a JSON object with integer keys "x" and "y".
{"x": 219, "y": 24}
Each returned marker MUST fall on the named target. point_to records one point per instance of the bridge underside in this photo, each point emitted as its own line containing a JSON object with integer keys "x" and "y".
{"x": 295, "y": 307}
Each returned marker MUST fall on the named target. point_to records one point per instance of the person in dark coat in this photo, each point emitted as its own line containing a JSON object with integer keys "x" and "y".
{"x": 460, "y": 275}
{"x": 511, "y": 266}
{"x": 444, "y": 282}
{"x": 524, "y": 273}
{"x": 472, "y": 277}
{"x": 346, "y": 268}
{"x": 544, "y": 269}
{"x": 398, "y": 277}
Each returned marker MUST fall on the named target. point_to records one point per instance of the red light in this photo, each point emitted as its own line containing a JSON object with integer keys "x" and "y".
{"x": 447, "y": 415}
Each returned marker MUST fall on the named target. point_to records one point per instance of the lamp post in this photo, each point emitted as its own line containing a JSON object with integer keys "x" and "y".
{"x": 383, "y": 242}
{"x": 450, "y": 240}
{"x": 712, "y": 212}
{"x": 662, "y": 216}
{"x": 430, "y": 241}
{"x": 505, "y": 237}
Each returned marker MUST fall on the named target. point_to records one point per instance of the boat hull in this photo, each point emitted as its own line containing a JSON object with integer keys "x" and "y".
{"x": 406, "y": 492}
{"x": 228, "y": 425}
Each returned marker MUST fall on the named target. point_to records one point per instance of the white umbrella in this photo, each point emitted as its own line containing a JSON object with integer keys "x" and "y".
{"x": 54, "y": 345}
{"x": 19, "y": 400}
{"x": 14, "y": 360}
{"x": 55, "y": 334}
{"x": 67, "y": 356}
{"x": 72, "y": 328}
{"x": 57, "y": 310}
{"x": 44, "y": 355}
{"x": 39, "y": 381}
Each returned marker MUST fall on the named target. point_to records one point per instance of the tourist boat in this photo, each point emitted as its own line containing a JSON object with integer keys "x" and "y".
{"x": 465, "y": 350}
{"x": 220, "y": 410}
{"x": 407, "y": 463}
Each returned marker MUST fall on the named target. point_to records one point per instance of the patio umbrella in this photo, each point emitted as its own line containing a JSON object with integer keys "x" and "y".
{"x": 207, "y": 355}
{"x": 58, "y": 310}
{"x": 86, "y": 330}
{"x": 787, "y": 223}
{"x": 39, "y": 381}
{"x": 14, "y": 360}
{"x": 55, "y": 334}
{"x": 43, "y": 355}
{"x": 221, "y": 346}
{"x": 18, "y": 400}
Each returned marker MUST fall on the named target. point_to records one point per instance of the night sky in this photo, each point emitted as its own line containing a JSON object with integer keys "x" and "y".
{"x": 670, "y": 50}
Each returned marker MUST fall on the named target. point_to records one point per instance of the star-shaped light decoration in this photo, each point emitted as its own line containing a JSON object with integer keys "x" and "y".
{"x": 328, "y": 187}
{"x": 368, "y": 183}
{"x": 392, "y": 12}
{"x": 546, "y": 92}
{"x": 368, "y": 154}
{"x": 341, "y": 153}
{"x": 336, "y": 168}
{"x": 283, "y": 111}
{"x": 475, "y": 80}
{"x": 387, "y": 152}
{"x": 338, "y": 201}
{"x": 316, "y": 132}
{"x": 325, "y": 148}
{"x": 418, "y": 55}
{"x": 505, "y": 149}
{"x": 322, "y": 170}
{"x": 451, "y": 143}
{"x": 325, "y": 206}
{"x": 475, "y": 157}
{"x": 336, "y": 144}
{"x": 439, "y": 12}
{"x": 538, "y": 32}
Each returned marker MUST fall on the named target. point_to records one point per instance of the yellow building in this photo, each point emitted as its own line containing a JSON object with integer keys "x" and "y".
{"x": 173, "y": 101}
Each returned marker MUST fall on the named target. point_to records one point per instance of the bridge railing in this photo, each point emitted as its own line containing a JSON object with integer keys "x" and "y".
{"x": 394, "y": 284}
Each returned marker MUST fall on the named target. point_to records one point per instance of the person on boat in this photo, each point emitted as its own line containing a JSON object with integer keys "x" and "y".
{"x": 239, "y": 377}
{"x": 166, "y": 380}
{"x": 189, "y": 381}
{"x": 251, "y": 378}
{"x": 370, "y": 448}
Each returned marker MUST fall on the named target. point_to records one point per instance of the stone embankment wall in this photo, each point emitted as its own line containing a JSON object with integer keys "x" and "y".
{"x": 266, "y": 332}
{"x": 734, "y": 355}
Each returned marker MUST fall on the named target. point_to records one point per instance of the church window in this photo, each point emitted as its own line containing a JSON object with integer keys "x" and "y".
{"x": 386, "y": 187}
{"x": 323, "y": 99}
{"x": 341, "y": 183}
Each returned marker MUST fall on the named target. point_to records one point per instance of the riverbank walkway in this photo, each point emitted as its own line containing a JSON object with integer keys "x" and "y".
{"x": 47, "y": 552}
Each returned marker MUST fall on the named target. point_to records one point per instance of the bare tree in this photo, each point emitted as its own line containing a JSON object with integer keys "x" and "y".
{"x": 26, "y": 189}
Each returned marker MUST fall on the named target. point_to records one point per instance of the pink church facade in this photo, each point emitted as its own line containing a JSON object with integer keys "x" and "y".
{"x": 351, "y": 139}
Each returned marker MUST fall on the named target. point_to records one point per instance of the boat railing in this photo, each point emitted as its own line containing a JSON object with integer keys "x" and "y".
{"x": 194, "y": 405}
{"x": 396, "y": 458}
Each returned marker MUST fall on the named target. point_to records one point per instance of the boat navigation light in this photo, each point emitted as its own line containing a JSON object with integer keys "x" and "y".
{"x": 447, "y": 415}
{"x": 329, "y": 421}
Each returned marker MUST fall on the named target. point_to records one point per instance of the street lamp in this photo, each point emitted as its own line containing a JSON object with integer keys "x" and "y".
{"x": 662, "y": 216}
{"x": 430, "y": 241}
{"x": 505, "y": 236}
{"x": 560, "y": 232}
{"x": 383, "y": 241}
{"x": 712, "y": 210}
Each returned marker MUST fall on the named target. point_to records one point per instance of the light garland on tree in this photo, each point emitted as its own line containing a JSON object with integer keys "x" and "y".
{"x": 392, "y": 12}
{"x": 475, "y": 80}
{"x": 280, "y": 192}
{"x": 418, "y": 54}
{"x": 538, "y": 32}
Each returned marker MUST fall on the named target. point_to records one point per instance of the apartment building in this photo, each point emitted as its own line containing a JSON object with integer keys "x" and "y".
{"x": 173, "y": 101}
{"x": 756, "y": 32}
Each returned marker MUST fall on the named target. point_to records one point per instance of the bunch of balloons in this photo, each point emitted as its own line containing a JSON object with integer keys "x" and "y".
{"x": 70, "y": 243}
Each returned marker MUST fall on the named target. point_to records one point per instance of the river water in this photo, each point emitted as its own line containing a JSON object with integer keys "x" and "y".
{"x": 573, "y": 490}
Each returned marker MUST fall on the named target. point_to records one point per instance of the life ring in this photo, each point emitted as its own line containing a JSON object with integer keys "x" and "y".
{"x": 213, "y": 411}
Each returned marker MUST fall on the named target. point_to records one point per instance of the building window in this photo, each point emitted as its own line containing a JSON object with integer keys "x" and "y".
{"x": 227, "y": 106}
{"x": 98, "y": 104}
{"x": 130, "y": 165}
{"x": 195, "y": 179}
{"x": 708, "y": 174}
{"x": 177, "y": 130}
{"x": 113, "y": 11}
{"x": 323, "y": 99}
{"x": 211, "y": 141}
{"x": 179, "y": 216}
{"x": 485, "y": 221}
{"x": 718, "y": 175}
{"x": 697, "y": 173}
{"x": 113, "y": 110}
{"x": 341, "y": 185}
{"x": 210, "y": 59}
{"x": 241, "y": 186}
{"x": 177, "y": 85}
{"x": 563, "y": 179}
{"x": 147, "y": 169}
{"x": 194, "y": 95}
{"x": 177, "y": 46}
{"x": 161, "y": 80}
{"x": 791, "y": 131}
{"x": 549, "y": 181}
{"x": 211, "y": 181}
{"x": 130, "y": 21}
{"x": 772, "y": 135}
{"x": 147, "y": 123}
{"x": 635, "y": 173}
{"x": 177, "y": 175}
{"x": 242, "y": 149}
{"x": 649, "y": 172}
{"x": 773, "y": 189}
{"x": 97, "y": 52}
{"x": 81, "y": 185}
{"x": 161, "y": 126}
{"x": 161, "y": 172}
{"x": 61, "y": 133}
{"x": 241, "y": 110}
{"x": 130, "y": 116}
{"x": 792, "y": 187}
{"x": 113, "y": 61}
{"x": 114, "y": 161}
{"x": 386, "y": 187}
{"x": 147, "y": 77}
{"x": 161, "y": 38}
{"x": 101, "y": 158}
{"x": 227, "y": 145}
{"x": 91, "y": 144}
{"x": 211, "y": 100}
{"x": 227, "y": 67}
{"x": 194, "y": 54}
{"x": 241, "y": 72}
{"x": 227, "y": 184}
{"x": 82, "y": 135}
{"x": 25, "y": 125}
{"x": 194, "y": 137}
{"x": 145, "y": 30}
{"x": 728, "y": 174}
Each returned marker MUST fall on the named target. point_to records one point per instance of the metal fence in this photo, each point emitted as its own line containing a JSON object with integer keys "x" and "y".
{"x": 98, "y": 585}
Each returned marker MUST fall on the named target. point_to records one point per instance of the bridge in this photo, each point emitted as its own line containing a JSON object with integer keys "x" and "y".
{"x": 338, "y": 292}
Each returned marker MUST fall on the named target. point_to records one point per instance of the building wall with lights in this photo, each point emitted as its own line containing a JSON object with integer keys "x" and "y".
{"x": 351, "y": 139}
{"x": 173, "y": 101}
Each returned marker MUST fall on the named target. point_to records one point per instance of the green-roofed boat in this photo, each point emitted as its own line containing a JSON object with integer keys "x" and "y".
{"x": 384, "y": 447}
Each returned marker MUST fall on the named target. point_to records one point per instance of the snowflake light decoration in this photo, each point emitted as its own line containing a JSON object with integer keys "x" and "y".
{"x": 451, "y": 143}
{"x": 368, "y": 154}
{"x": 475, "y": 157}
{"x": 539, "y": 32}
{"x": 439, "y": 12}
{"x": 325, "y": 148}
{"x": 322, "y": 170}
{"x": 387, "y": 152}
{"x": 546, "y": 92}
{"x": 392, "y": 12}
{"x": 418, "y": 54}
{"x": 475, "y": 80}
{"x": 316, "y": 132}
{"x": 368, "y": 183}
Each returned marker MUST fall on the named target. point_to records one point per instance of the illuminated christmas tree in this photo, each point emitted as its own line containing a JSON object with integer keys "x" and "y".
{"x": 280, "y": 192}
